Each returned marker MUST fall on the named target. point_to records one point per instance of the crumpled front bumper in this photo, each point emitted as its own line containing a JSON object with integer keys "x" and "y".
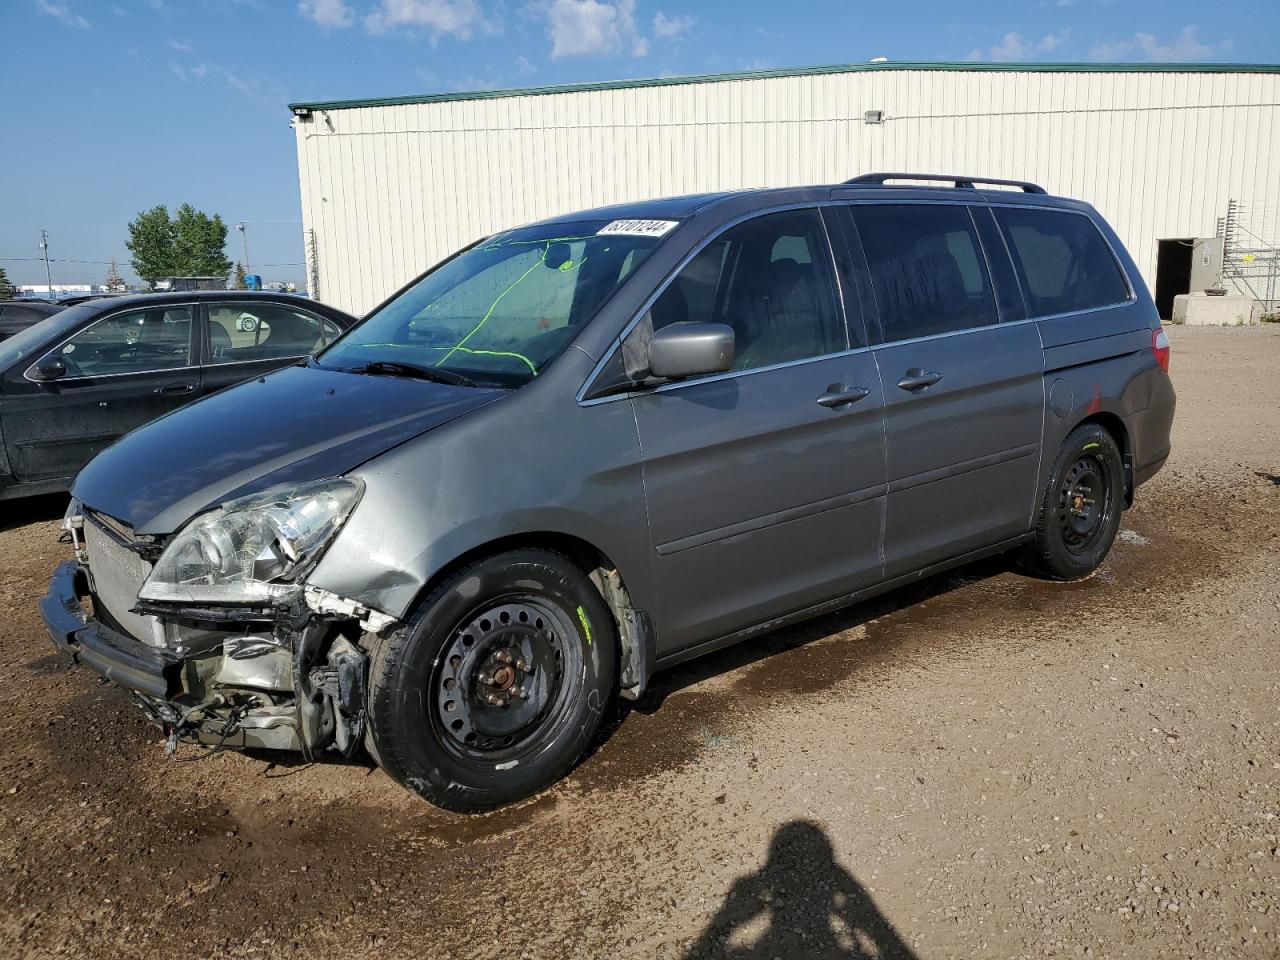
{"x": 129, "y": 662}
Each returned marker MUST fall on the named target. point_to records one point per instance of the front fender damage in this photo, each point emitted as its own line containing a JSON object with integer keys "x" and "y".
{"x": 286, "y": 677}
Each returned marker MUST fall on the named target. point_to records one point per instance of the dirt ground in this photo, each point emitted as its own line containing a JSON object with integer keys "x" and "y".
{"x": 980, "y": 766}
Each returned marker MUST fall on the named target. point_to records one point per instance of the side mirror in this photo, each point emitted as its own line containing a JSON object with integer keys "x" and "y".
{"x": 687, "y": 349}
{"x": 50, "y": 368}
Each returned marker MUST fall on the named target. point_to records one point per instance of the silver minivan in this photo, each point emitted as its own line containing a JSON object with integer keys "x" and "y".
{"x": 584, "y": 450}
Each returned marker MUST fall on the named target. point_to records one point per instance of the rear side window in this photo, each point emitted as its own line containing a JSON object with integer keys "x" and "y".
{"x": 927, "y": 269}
{"x": 1063, "y": 263}
{"x": 239, "y": 332}
{"x": 770, "y": 279}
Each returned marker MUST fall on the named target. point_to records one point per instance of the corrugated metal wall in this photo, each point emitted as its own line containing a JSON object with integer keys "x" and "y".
{"x": 389, "y": 190}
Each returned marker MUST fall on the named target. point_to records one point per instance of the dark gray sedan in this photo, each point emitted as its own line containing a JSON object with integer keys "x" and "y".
{"x": 81, "y": 377}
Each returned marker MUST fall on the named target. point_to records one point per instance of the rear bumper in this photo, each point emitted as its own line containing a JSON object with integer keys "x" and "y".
{"x": 1144, "y": 473}
{"x": 115, "y": 655}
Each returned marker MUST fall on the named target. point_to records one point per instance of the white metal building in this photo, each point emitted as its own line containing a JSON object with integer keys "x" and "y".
{"x": 391, "y": 186}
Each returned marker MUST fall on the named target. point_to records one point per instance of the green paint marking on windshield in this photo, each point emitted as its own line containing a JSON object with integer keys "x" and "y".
{"x": 1090, "y": 446}
{"x": 494, "y": 353}
{"x": 517, "y": 243}
{"x": 494, "y": 306}
{"x": 586, "y": 627}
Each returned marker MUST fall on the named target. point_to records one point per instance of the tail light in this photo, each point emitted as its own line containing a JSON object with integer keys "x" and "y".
{"x": 1160, "y": 347}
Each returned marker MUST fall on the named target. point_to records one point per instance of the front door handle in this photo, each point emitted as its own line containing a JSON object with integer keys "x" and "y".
{"x": 917, "y": 379}
{"x": 176, "y": 389}
{"x": 838, "y": 395}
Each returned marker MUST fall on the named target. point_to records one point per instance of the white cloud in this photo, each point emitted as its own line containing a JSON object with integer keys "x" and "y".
{"x": 61, "y": 11}
{"x": 590, "y": 28}
{"x": 459, "y": 18}
{"x": 327, "y": 13}
{"x": 185, "y": 73}
{"x": 664, "y": 26}
{"x": 1013, "y": 46}
{"x": 525, "y": 66}
{"x": 1185, "y": 46}
{"x": 180, "y": 45}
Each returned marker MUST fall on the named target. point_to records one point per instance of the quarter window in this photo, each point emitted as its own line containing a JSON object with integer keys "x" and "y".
{"x": 770, "y": 279}
{"x": 240, "y": 332}
{"x": 138, "y": 341}
{"x": 1063, "y": 263}
{"x": 927, "y": 269}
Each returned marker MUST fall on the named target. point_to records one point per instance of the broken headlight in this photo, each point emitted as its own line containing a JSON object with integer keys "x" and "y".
{"x": 252, "y": 550}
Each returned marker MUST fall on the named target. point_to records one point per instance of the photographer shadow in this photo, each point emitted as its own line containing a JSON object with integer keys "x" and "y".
{"x": 808, "y": 905}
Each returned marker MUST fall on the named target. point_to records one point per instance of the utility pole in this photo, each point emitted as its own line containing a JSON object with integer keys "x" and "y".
{"x": 44, "y": 245}
{"x": 244, "y": 235}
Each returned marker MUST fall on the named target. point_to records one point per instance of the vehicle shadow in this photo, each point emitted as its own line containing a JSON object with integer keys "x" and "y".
{"x": 675, "y": 679}
{"x": 20, "y": 512}
{"x": 809, "y": 906}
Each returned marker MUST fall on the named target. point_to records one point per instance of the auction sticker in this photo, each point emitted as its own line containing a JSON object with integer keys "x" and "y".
{"x": 637, "y": 228}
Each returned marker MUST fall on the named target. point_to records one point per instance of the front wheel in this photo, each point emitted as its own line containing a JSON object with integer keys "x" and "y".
{"x": 496, "y": 685}
{"x": 1080, "y": 507}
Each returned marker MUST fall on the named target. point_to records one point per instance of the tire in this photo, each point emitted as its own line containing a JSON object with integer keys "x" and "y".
{"x": 1080, "y": 507}
{"x": 468, "y": 730}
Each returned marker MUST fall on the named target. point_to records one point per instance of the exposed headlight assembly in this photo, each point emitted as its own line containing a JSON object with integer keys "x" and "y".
{"x": 253, "y": 550}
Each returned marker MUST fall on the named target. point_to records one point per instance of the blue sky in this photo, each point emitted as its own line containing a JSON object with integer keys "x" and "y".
{"x": 111, "y": 106}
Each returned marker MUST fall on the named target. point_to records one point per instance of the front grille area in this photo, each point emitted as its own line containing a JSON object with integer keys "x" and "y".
{"x": 118, "y": 575}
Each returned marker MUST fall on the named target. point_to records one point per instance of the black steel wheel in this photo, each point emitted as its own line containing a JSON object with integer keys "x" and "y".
{"x": 1080, "y": 508}
{"x": 503, "y": 676}
{"x": 497, "y": 684}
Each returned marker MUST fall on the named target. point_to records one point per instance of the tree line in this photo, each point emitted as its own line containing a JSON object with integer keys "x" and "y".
{"x": 189, "y": 243}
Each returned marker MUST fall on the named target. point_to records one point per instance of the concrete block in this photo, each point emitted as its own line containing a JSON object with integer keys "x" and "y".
{"x": 1200, "y": 309}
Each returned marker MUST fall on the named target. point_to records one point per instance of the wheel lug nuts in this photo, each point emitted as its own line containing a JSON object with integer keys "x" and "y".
{"x": 486, "y": 679}
{"x": 520, "y": 693}
{"x": 494, "y": 700}
{"x": 502, "y": 657}
{"x": 523, "y": 667}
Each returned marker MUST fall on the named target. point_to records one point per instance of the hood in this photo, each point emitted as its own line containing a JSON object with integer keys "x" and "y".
{"x": 297, "y": 424}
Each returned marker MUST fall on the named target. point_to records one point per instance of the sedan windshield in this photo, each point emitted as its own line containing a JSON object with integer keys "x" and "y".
{"x": 498, "y": 313}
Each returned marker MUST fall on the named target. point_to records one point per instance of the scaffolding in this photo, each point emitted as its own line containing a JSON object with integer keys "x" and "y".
{"x": 1250, "y": 255}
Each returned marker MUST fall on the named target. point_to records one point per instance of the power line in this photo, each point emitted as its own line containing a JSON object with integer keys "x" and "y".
{"x": 109, "y": 262}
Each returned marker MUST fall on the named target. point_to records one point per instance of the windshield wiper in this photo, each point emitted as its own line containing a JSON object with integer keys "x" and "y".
{"x": 398, "y": 368}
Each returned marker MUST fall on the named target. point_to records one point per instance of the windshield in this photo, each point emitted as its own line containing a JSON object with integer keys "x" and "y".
{"x": 38, "y": 336}
{"x": 498, "y": 313}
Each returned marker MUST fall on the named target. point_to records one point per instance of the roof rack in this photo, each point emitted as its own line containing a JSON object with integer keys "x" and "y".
{"x": 961, "y": 183}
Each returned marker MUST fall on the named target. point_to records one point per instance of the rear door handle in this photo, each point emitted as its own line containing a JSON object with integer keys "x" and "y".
{"x": 838, "y": 395}
{"x": 176, "y": 389}
{"x": 916, "y": 379}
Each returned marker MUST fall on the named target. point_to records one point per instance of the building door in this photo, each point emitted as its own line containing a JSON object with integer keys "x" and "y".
{"x": 1173, "y": 273}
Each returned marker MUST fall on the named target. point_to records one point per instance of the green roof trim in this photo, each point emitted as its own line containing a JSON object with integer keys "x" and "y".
{"x": 890, "y": 65}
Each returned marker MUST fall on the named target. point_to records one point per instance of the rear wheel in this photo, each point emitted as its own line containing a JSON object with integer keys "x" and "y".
{"x": 1080, "y": 507}
{"x": 497, "y": 684}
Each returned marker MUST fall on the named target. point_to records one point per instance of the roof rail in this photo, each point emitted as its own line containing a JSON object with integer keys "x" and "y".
{"x": 962, "y": 183}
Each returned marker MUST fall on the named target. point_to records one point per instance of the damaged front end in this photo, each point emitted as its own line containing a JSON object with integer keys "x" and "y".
{"x": 214, "y": 630}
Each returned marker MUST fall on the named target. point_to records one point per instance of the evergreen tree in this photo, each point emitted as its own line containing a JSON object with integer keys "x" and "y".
{"x": 6, "y": 288}
{"x": 238, "y": 277}
{"x": 114, "y": 282}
